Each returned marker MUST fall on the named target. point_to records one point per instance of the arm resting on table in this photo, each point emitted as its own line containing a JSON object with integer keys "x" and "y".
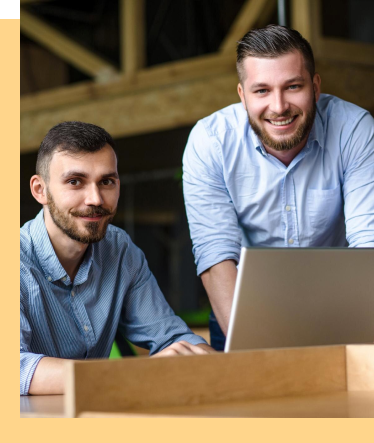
{"x": 49, "y": 377}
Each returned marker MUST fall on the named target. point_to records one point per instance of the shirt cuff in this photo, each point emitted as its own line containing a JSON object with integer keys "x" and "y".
{"x": 192, "y": 339}
{"x": 29, "y": 362}
{"x": 213, "y": 259}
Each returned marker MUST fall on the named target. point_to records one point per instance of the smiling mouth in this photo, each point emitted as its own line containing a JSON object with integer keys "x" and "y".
{"x": 95, "y": 217}
{"x": 282, "y": 122}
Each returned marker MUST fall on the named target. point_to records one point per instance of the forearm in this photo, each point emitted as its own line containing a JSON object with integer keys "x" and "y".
{"x": 49, "y": 377}
{"x": 219, "y": 282}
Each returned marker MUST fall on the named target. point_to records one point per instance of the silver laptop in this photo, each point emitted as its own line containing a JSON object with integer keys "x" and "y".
{"x": 302, "y": 297}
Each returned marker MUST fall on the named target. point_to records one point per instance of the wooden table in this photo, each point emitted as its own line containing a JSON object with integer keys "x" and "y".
{"x": 333, "y": 405}
{"x": 329, "y": 381}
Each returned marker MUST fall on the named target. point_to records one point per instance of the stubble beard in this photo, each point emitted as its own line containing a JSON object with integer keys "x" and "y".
{"x": 292, "y": 141}
{"x": 95, "y": 231}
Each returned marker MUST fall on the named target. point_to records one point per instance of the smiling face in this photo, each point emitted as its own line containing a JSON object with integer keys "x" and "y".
{"x": 280, "y": 98}
{"x": 82, "y": 193}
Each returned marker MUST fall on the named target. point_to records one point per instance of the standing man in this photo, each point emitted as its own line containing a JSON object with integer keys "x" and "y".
{"x": 82, "y": 278}
{"x": 286, "y": 167}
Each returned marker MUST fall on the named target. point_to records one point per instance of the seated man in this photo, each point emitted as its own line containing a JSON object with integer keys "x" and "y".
{"x": 81, "y": 278}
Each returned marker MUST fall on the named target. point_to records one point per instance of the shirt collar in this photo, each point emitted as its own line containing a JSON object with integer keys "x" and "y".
{"x": 256, "y": 142}
{"x": 48, "y": 259}
{"x": 316, "y": 134}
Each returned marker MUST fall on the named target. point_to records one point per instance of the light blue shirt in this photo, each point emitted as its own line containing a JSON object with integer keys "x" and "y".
{"x": 237, "y": 194}
{"x": 113, "y": 288}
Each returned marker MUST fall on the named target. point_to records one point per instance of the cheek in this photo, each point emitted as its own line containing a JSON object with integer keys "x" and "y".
{"x": 256, "y": 110}
{"x": 111, "y": 198}
{"x": 69, "y": 199}
{"x": 304, "y": 102}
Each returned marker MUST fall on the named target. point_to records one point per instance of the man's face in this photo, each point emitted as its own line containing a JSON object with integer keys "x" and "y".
{"x": 83, "y": 192}
{"x": 280, "y": 98}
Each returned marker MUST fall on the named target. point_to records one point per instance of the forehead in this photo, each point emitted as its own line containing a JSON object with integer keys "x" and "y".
{"x": 274, "y": 70}
{"x": 91, "y": 163}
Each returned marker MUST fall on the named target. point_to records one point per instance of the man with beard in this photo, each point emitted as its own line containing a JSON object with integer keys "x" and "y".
{"x": 82, "y": 278}
{"x": 286, "y": 167}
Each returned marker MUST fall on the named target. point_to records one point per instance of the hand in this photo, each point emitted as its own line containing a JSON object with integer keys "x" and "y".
{"x": 184, "y": 348}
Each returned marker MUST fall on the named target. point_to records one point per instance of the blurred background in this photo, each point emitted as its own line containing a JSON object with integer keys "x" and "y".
{"x": 146, "y": 71}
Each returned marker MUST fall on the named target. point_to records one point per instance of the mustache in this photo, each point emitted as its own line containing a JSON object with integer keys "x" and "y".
{"x": 287, "y": 114}
{"x": 91, "y": 212}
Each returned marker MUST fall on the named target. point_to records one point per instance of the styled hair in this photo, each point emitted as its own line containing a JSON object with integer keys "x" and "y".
{"x": 73, "y": 137}
{"x": 270, "y": 42}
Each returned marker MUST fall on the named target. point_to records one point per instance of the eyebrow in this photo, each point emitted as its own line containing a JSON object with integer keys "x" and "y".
{"x": 67, "y": 174}
{"x": 298, "y": 78}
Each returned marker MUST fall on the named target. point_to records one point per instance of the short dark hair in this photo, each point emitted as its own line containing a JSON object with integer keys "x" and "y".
{"x": 270, "y": 42}
{"x": 73, "y": 137}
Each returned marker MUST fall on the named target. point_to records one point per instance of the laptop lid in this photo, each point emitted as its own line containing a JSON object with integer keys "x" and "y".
{"x": 302, "y": 297}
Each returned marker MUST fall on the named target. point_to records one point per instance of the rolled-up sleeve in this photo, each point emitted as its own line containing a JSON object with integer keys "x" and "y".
{"x": 212, "y": 218}
{"x": 147, "y": 320}
{"x": 358, "y": 189}
{"x": 29, "y": 360}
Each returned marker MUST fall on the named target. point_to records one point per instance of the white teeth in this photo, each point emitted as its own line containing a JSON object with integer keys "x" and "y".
{"x": 284, "y": 122}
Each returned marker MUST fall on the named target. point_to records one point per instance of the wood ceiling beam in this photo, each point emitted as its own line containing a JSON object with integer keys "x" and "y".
{"x": 132, "y": 32}
{"x": 252, "y": 12}
{"x": 138, "y": 112}
{"x": 65, "y": 48}
{"x": 154, "y": 77}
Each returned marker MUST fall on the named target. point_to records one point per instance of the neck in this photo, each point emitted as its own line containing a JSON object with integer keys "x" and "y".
{"x": 286, "y": 157}
{"x": 69, "y": 252}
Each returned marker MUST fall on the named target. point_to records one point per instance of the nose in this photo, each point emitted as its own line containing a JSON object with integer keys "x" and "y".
{"x": 93, "y": 196}
{"x": 279, "y": 104}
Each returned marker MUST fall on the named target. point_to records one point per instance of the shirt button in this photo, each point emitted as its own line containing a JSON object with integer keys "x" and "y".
{"x": 63, "y": 279}
{"x": 85, "y": 328}
{"x": 288, "y": 208}
{"x": 49, "y": 278}
{"x": 72, "y": 293}
{"x": 290, "y": 241}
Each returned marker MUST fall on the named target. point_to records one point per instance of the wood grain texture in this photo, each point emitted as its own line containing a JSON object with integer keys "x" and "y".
{"x": 61, "y": 45}
{"x": 130, "y": 384}
{"x": 332, "y": 405}
{"x": 139, "y": 112}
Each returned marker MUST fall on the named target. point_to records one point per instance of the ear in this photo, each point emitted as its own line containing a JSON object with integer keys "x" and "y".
{"x": 38, "y": 189}
{"x": 317, "y": 86}
{"x": 241, "y": 95}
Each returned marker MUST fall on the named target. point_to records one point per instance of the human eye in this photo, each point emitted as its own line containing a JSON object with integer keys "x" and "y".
{"x": 74, "y": 182}
{"x": 108, "y": 182}
{"x": 293, "y": 87}
{"x": 261, "y": 91}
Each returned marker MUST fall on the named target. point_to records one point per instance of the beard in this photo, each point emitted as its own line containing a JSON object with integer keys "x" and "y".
{"x": 95, "y": 231}
{"x": 287, "y": 142}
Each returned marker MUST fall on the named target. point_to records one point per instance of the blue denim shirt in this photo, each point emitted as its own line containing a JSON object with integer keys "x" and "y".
{"x": 237, "y": 194}
{"x": 78, "y": 320}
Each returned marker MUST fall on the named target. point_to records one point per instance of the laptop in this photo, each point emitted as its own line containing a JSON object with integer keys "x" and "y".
{"x": 302, "y": 297}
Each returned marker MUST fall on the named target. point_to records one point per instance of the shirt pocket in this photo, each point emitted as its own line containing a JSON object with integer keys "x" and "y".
{"x": 324, "y": 207}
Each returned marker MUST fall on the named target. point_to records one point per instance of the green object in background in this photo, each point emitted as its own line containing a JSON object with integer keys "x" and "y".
{"x": 196, "y": 318}
{"x": 115, "y": 352}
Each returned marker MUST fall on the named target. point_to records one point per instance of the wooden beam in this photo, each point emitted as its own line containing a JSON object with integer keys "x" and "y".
{"x": 266, "y": 14}
{"x": 137, "y": 112}
{"x": 155, "y": 77}
{"x": 64, "y": 47}
{"x": 252, "y": 12}
{"x": 132, "y": 26}
{"x": 335, "y": 49}
{"x": 301, "y": 18}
